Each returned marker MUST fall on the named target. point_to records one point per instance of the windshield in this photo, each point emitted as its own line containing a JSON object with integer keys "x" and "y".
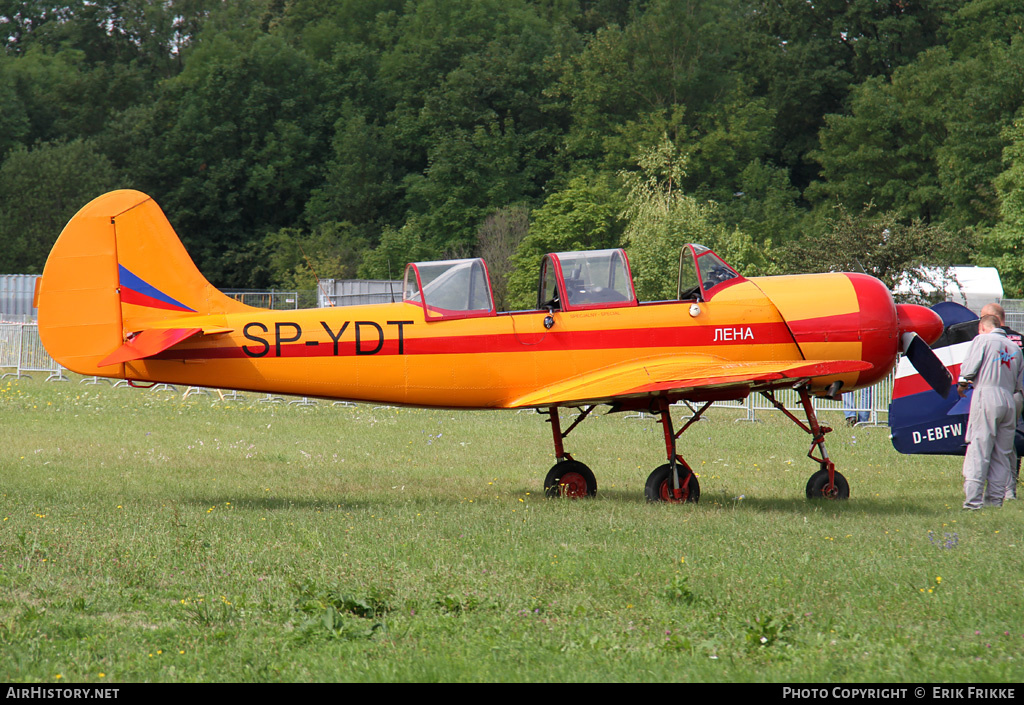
{"x": 700, "y": 272}
{"x": 713, "y": 271}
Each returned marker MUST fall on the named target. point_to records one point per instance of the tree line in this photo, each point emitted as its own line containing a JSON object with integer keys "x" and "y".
{"x": 348, "y": 137}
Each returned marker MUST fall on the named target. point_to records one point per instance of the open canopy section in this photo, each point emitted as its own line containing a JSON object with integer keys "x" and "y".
{"x": 573, "y": 281}
{"x": 458, "y": 288}
{"x": 702, "y": 274}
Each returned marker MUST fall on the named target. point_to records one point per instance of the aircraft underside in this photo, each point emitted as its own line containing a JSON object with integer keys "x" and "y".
{"x": 675, "y": 481}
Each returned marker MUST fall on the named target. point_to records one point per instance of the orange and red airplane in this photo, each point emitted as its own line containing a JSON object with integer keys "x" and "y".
{"x": 120, "y": 297}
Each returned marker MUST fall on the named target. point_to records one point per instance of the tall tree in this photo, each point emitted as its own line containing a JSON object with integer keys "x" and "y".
{"x": 883, "y": 152}
{"x": 1002, "y": 246}
{"x": 232, "y": 149}
{"x": 14, "y": 119}
{"x": 496, "y": 242}
{"x": 582, "y": 216}
{"x": 879, "y": 244}
{"x": 806, "y": 57}
{"x": 40, "y": 189}
{"x": 397, "y": 248}
{"x": 660, "y": 219}
{"x": 926, "y": 142}
{"x": 468, "y": 81}
{"x": 670, "y": 54}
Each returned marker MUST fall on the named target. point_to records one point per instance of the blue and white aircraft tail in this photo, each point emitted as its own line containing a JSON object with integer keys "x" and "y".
{"x": 922, "y": 421}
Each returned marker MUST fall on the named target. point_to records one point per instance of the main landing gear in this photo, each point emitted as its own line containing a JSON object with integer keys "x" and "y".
{"x": 826, "y": 483}
{"x": 568, "y": 477}
{"x": 675, "y": 481}
{"x": 672, "y": 482}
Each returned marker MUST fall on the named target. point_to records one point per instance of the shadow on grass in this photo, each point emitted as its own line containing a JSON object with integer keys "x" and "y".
{"x": 282, "y": 503}
{"x": 868, "y": 506}
{"x": 875, "y": 506}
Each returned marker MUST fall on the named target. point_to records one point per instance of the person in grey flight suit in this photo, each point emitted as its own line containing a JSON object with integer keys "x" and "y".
{"x": 994, "y": 309}
{"x": 994, "y": 365}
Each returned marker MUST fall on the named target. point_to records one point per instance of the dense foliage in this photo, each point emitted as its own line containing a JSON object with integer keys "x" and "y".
{"x": 358, "y": 134}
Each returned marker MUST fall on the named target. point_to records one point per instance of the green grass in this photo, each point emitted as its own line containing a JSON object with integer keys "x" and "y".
{"x": 146, "y": 538}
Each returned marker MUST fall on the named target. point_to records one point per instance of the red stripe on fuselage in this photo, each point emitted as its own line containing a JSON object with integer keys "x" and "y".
{"x": 844, "y": 328}
{"x": 319, "y": 345}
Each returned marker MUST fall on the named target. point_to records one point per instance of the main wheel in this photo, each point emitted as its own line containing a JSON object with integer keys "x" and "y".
{"x": 819, "y": 481}
{"x": 570, "y": 478}
{"x": 659, "y": 485}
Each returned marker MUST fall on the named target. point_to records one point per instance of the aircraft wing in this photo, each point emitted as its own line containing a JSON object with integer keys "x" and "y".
{"x": 678, "y": 373}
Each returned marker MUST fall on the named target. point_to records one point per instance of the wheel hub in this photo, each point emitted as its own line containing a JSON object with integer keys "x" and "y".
{"x": 670, "y": 494}
{"x": 573, "y": 484}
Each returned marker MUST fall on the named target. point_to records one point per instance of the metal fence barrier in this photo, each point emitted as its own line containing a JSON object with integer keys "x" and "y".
{"x": 275, "y": 300}
{"x": 21, "y": 348}
{"x": 10, "y": 345}
{"x": 34, "y": 357}
{"x": 872, "y": 402}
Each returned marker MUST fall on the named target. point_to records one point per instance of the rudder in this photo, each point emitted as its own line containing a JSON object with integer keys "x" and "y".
{"x": 117, "y": 268}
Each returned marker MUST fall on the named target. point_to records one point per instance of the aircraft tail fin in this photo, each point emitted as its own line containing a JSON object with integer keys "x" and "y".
{"x": 118, "y": 269}
{"x": 920, "y": 419}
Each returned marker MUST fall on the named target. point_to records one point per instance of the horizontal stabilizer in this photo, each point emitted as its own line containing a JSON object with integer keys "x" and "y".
{"x": 962, "y": 407}
{"x": 148, "y": 343}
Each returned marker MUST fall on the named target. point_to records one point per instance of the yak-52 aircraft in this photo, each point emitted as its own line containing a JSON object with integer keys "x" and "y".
{"x": 120, "y": 297}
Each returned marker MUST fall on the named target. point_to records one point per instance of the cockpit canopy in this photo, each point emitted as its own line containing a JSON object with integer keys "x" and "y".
{"x": 572, "y": 281}
{"x": 569, "y": 281}
{"x": 458, "y": 288}
{"x": 700, "y": 272}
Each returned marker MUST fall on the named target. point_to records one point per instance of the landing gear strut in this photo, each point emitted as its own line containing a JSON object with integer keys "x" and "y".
{"x": 568, "y": 477}
{"x": 674, "y": 481}
{"x": 826, "y": 483}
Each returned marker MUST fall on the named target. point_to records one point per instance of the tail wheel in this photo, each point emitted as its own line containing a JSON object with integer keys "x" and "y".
{"x": 817, "y": 486}
{"x": 570, "y": 479}
{"x": 659, "y": 487}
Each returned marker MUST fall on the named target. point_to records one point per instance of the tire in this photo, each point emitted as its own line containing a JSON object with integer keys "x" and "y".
{"x": 570, "y": 479}
{"x": 819, "y": 481}
{"x": 659, "y": 485}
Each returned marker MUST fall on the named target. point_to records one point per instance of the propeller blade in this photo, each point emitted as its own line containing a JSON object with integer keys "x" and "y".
{"x": 927, "y": 363}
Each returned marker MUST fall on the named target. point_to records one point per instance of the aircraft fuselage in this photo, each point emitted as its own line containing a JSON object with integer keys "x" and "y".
{"x": 389, "y": 353}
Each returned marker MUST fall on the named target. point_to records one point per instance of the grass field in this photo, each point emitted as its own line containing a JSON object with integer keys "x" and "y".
{"x": 146, "y": 538}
